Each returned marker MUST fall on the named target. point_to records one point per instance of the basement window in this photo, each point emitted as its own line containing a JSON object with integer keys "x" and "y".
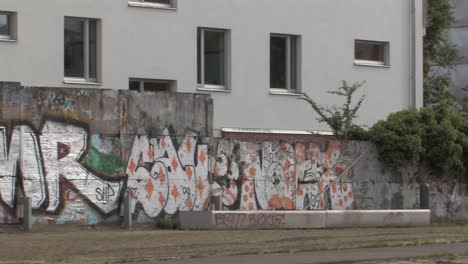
{"x": 165, "y": 4}
{"x": 151, "y": 85}
{"x": 7, "y": 26}
{"x": 371, "y": 53}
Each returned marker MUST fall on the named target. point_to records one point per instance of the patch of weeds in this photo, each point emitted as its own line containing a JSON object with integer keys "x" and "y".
{"x": 448, "y": 222}
{"x": 167, "y": 222}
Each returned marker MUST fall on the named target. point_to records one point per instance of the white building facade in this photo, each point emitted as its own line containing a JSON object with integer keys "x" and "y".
{"x": 253, "y": 56}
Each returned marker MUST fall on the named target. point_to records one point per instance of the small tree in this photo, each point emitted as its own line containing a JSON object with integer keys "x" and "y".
{"x": 339, "y": 119}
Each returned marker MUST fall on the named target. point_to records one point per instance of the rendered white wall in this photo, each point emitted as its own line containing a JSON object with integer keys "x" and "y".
{"x": 161, "y": 44}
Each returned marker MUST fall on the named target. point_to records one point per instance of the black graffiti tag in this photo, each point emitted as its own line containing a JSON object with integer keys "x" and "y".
{"x": 105, "y": 193}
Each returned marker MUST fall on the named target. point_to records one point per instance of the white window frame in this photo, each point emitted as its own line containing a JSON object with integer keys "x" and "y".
{"x": 385, "y": 62}
{"x": 144, "y": 3}
{"x": 86, "y": 79}
{"x": 227, "y": 62}
{"x": 141, "y": 81}
{"x": 12, "y": 20}
{"x": 289, "y": 89}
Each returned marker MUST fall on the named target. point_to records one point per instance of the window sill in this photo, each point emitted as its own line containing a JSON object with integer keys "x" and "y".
{"x": 371, "y": 64}
{"x": 83, "y": 82}
{"x": 151, "y": 5}
{"x": 217, "y": 90}
{"x": 7, "y": 40}
{"x": 286, "y": 93}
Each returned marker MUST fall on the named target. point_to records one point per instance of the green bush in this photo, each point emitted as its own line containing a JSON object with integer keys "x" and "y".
{"x": 399, "y": 138}
{"x": 435, "y": 135}
{"x": 356, "y": 132}
{"x": 442, "y": 140}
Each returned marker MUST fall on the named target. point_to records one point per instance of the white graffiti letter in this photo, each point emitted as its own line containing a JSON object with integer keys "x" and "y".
{"x": 62, "y": 147}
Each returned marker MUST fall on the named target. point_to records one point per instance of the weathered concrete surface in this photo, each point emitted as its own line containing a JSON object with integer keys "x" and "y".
{"x": 108, "y": 112}
{"x": 150, "y": 113}
{"x": 236, "y": 220}
{"x": 378, "y": 218}
{"x": 77, "y": 152}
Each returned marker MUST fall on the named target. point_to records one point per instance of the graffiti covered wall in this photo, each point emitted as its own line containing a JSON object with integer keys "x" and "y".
{"x": 77, "y": 153}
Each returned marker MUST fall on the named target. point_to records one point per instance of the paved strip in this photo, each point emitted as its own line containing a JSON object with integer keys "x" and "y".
{"x": 358, "y": 254}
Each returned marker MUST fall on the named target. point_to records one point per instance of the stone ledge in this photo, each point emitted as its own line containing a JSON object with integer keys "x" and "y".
{"x": 233, "y": 220}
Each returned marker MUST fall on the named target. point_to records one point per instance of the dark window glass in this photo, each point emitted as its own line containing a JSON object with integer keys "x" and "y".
{"x": 150, "y": 85}
{"x": 278, "y": 55}
{"x": 157, "y": 86}
{"x": 5, "y": 24}
{"x": 293, "y": 59}
{"x": 92, "y": 49}
{"x": 214, "y": 57}
{"x": 199, "y": 58}
{"x": 369, "y": 51}
{"x": 166, "y": 2}
{"x": 134, "y": 85}
{"x": 74, "y": 48}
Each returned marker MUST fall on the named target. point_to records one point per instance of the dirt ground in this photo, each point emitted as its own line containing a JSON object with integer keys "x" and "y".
{"x": 432, "y": 260}
{"x": 74, "y": 244}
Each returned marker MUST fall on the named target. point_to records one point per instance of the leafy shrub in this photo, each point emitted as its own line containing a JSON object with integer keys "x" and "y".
{"x": 356, "y": 132}
{"x": 435, "y": 135}
{"x": 399, "y": 138}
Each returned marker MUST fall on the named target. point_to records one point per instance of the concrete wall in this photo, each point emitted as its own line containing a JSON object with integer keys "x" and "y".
{"x": 232, "y": 220}
{"x": 458, "y": 35}
{"x": 77, "y": 152}
{"x": 161, "y": 44}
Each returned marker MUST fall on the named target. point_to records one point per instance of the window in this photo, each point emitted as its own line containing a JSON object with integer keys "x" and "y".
{"x": 371, "y": 53}
{"x": 152, "y": 85}
{"x": 153, "y": 3}
{"x": 7, "y": 25}
{"x": 212, "y": 59}
{"x": 284, "y": 63}
{"x": 81, "y": 50}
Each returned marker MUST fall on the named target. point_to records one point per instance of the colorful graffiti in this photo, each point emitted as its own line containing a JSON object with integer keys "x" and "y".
{"x": 77, "y": 152}
{"x": 164, "y": 176}
{"x": 161, "y": 177}
{"x": 60, "y": 167}
{"x": 43, "y": 164}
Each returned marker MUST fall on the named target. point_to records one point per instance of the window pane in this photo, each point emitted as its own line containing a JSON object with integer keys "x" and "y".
{"x": 199, "y": 51}
{"x": 92, "y": 49}
{"x": 74, "y": 48}
{"x": 293, "y": 63}
{"x": 134, "y": 85}
{"x": 214, "y": 57}
{"x": 157, "y": 86}
{"x": 166, "y": 2}
{"x": 278, "y": 62}
{"x": 369, "y": 51}
{"x": 5, "y": 24}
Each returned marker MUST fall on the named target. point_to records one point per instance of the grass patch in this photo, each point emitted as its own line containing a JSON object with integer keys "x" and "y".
{"x": 167, "y": 222}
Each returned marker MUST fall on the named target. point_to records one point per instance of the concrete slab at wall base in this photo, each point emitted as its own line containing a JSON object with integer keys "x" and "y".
{"x": 303, "y": 219}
